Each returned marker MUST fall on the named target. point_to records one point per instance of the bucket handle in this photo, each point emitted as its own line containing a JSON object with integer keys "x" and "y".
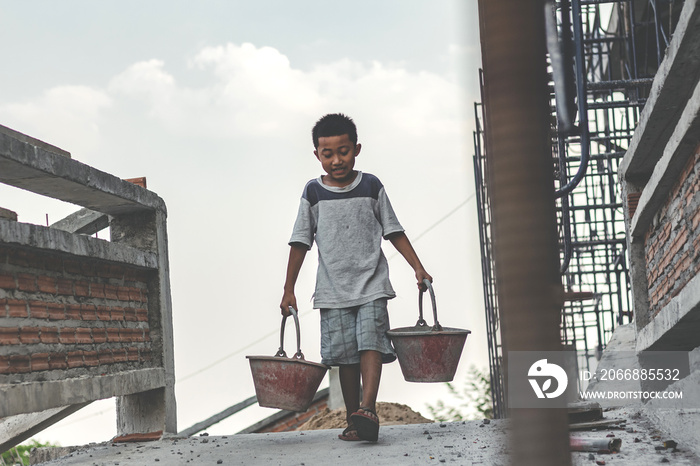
{"x": 421, "y": 322}
{"x": 280, "y": 351}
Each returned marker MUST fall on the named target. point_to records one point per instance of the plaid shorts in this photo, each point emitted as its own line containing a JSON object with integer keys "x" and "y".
{"x": 346, "y": 332}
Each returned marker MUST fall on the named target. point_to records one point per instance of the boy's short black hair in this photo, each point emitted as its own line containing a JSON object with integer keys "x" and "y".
{"x": 334, "y": 124}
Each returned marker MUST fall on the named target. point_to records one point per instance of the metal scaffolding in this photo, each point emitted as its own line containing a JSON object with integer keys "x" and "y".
{"x": 611, "y": 50}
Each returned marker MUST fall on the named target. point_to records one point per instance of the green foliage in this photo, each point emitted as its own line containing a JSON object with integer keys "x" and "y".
{"x": 474, "y": 399}
{"x": 20, "y": 453}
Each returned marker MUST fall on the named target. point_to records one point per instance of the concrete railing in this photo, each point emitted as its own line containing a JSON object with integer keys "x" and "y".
{"x": 82, "y": 318}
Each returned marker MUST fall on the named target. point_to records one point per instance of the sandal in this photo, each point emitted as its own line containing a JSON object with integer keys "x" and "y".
{"x": 367, "y": 423}
{"x": 349, "y": 434}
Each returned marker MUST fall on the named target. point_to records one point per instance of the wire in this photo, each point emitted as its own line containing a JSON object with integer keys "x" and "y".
{"x": 240, "y": 350}
{"x": 274, "y": 332}
{"x": 448, "y": 215}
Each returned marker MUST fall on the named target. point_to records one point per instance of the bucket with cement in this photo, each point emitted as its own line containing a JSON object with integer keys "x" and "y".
{"x": 286, "y": 383}
{"x": 428, "y": 354}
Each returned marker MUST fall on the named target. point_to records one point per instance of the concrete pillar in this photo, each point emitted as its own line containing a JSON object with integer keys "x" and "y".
{"x": 153, "y": 410}
{"x": 521, "y": 187}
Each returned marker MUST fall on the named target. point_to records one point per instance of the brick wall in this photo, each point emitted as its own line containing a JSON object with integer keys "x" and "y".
{"x": 71, "y": 315}
{"x": 672, "y": 243}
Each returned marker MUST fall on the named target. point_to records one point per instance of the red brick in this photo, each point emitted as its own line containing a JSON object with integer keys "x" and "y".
{"x": 26, "y": 282}
{"x": 99, "y": 335}
{"x": 97, "y": 290}
{"x": 146, "y": 334}
{"x": 695, "y": 220}
{"x": 29, "y": 335}
{"x": 66, "y": 335}
{"x": 105, "y": 357}
{"x": 117, "y": 313}
{"x": 16, "y": 308}
{"x": 53, "y": 263}
{"x": 64, "y": 286}
{"x": 87, "y": 268}
{"x": 40, "y": 362}
{"x": 132, "y": 354}
{"x": 9, "y": 336}
{"x": 74, "y": 359}
{"x": 135, "y": 335}
{"x": 138, "y": 275}
{"x": 7, "y": 281}
{"x": 73, "y": 312}
{"x": 111, "y": 292}
{"x": 82, "y": 289}
{"x": 103, "y": 313}
{"x": 109, "y": 271}
{"x": 130, "y": 314}
{"x": 91, "y": 358}
{"x": 4, "y": 365}
{"x": 83, "y": 335}
{"x": 120, "y": 355}
{"x": 58, "y": 361}
{"x": 46, "y": 284}
{"x": 135, "y": 294}
{"x": 113, "y": 335}
{"x": 123, "y": 293}
{"x": 56, "y": 311}
{"x": 72, "y": 266}
{"x": 20, "y": 363}
{"x": 144, "y": 295}
{"x": 145, "y": 355}
{"x": 48, "y": 335}
{"x": 142, "y": 315}
{"x": 38, "y": 310}
{"x": 87, "y": 312}
{"x": 18, "y": 258}
{"x": 3, "y": 308}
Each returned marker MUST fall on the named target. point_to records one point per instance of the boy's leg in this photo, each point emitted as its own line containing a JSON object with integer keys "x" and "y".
{"x": 350, "y": 386}
{"x": 371, "y": 369}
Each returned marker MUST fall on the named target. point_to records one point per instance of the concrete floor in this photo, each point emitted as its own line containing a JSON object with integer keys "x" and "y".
{"x": 463, "y": 443}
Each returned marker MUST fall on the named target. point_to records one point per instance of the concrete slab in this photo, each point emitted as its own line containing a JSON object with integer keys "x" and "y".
{"x": 457, "y": 443}
{"x": 30, "y": 164}
{"x": 464, "y": 443}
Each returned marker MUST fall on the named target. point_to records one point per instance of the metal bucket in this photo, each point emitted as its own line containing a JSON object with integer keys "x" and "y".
{"x": 428, "y": 354}
{"x": 286, "y": 383}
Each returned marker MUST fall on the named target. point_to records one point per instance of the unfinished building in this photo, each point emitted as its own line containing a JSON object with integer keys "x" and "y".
{"x": 81, "y": 318}
{"x": 626, "y": 170}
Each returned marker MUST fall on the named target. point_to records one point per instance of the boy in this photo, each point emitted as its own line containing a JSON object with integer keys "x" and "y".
{"x": 347, "y": 213}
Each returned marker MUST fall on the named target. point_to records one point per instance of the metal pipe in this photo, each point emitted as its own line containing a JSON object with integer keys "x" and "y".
{"x": 582, "y": 101}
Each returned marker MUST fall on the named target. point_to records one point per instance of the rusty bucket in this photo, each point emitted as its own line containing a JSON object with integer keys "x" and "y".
{"x": 428, "y": 354}
{"x": 286, "y": 383}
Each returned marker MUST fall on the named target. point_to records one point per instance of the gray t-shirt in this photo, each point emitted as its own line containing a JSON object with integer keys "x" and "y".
{"x": 348, "y": 225}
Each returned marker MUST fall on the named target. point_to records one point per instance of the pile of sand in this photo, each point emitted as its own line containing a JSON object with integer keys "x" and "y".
{"x": 389, "y": 414}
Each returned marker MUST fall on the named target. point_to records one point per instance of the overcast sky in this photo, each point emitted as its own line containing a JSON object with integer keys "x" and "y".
{"x": 213, "y": 101}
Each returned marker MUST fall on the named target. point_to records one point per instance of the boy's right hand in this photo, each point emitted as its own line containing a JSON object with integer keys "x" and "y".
{"x": 288, "y": 299}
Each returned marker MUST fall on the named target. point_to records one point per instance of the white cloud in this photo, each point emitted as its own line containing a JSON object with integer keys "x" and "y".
{"x": 65, "y": 116}
{"x": 256, "y": 92}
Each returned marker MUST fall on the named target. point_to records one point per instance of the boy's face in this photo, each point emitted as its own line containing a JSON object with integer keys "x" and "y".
{"x": 337, "y": 156}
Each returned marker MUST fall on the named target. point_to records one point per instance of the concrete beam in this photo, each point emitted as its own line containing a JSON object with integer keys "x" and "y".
{"x": 33, "y": 165}
{"x": 83, "y": 222}
{"x": 677, "y": 325}
{"x": 49, "y": 239}
{"x": 16, "y": 429}
{"x": 40, "y": 396}
{"x": 681, "y": 144}
{"x": 673, "y": 85}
